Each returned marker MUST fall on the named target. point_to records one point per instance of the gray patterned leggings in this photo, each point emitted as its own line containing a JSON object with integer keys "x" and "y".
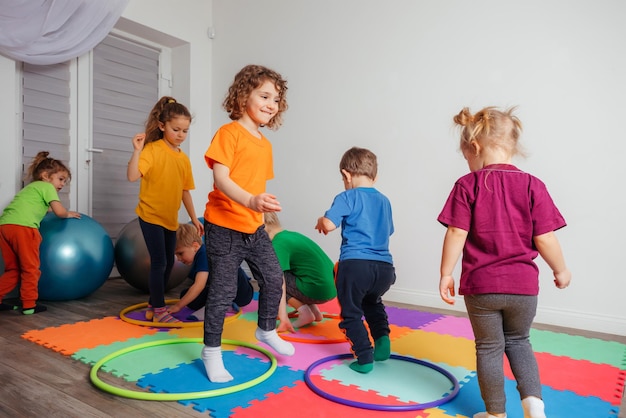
{"x": 226, "y": 250}
{"x": 501, "y": 324}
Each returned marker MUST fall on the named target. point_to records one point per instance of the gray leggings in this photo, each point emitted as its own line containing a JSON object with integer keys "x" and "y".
{"x": 501, "y": 324}
{"x": 292, "y": 290}
{"x": 226, "y": 250}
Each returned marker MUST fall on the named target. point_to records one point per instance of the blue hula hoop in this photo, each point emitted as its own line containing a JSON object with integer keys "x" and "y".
{"x": 377, "y": 407}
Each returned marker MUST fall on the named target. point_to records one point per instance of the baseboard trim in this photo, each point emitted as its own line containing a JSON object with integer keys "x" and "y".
{"x": 606, "y": 324}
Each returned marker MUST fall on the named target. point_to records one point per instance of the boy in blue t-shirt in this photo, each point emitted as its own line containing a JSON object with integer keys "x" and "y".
{"x": 190, "y": 250}
{"x": 365, "y": 270}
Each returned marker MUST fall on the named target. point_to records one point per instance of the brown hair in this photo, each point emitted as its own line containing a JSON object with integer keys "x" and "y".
{"x": 186, "y": 235}
{"x": 490, "y": 127}
{"x": 41, "y": 163}
{"x": 166, "y": 109}
{"x": 247, "y": 79}
{"x": 360, "y": 162}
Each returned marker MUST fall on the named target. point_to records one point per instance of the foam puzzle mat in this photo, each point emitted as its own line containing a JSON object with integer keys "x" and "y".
{"x": 581, "y": 377}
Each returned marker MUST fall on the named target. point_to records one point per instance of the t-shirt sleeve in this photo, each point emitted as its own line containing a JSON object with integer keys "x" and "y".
{"x": 221, "y": 149}
{"x": 200, "y": 262}
{"x": 188, "y": 183}
{"x": 457, "y": 210}
{"x": 545, "y": 215}
{"x": 339, "y": 209}
{"x": 145, "y": 160}
{"x": 49, "y": 194}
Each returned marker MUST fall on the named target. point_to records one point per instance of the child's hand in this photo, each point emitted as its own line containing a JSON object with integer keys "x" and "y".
{"x": 324, "y": 225}
{"x": 174, "y": 309}
{"x": 285, "y": 325}
{"x": 198, "y": 226}
{"x": 562, "y": 279}
{"x": 446, "y": 289}
{"x": 264, "y": 202}
{"x": 320, "y": 226}
{"x": 71, "y": 214}
{"x": 138, "y": 141}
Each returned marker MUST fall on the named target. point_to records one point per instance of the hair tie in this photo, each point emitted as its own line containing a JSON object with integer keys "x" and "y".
{"x": 171, "y": 101}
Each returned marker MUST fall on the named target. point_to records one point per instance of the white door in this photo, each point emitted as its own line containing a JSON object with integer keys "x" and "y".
{"x": 85, "y": 112}
{"x": 125, "y": 88}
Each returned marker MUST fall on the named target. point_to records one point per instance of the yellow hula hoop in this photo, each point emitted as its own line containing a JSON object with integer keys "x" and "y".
{"x": 194, "y": 324}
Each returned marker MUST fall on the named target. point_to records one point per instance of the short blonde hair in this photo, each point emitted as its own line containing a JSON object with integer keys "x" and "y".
{"x": 271, "y": 219}
{"x": 186, "y": 235}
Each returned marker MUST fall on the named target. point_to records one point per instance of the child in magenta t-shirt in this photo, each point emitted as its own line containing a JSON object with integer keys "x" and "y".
{"x": 500, "y": 218}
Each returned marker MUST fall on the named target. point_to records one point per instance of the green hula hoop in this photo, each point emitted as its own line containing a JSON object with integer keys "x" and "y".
{"x": 151, "y": 396}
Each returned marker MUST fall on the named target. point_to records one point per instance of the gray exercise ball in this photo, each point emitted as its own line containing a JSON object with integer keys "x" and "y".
{"x": 133, "y": 260}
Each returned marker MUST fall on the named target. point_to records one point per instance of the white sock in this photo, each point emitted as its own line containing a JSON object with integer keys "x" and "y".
{"x": 533, "y": 407}
{"x": 214, "y": 365}
{"x": 199, "y": 314}
{"x": 305, "y": 316}
{"x": 316, "y": 312}
{"x": 272, "y": 339}
{"x": 485, "y": 415}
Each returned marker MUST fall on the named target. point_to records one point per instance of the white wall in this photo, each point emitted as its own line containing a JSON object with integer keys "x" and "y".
{"x": 390, "y": 75}
{"x": 11, "y": 152}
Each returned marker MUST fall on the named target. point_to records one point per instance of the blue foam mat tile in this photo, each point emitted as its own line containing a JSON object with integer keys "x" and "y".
{"x": 222, "y": 406}
{"x": 559, "y": 404}
{"x": 192, "y": 378}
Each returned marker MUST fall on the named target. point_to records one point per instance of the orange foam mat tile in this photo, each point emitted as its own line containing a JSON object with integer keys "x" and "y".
{"x": 69, "y": 338}
{"x": 328, "y": 329}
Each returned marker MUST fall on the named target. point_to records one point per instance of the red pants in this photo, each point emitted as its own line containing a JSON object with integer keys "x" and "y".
{"x": 20, "y": 250}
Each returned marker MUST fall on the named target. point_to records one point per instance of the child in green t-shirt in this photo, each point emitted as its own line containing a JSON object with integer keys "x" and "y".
{"x": 19, "y": 230}
{"x": 307, "y": 271}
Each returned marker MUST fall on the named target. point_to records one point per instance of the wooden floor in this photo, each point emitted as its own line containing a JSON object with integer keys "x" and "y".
{"x": 38, "y": 382}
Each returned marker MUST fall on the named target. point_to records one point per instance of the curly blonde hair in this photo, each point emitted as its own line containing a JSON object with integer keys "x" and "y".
{"x": 247, "y": 79}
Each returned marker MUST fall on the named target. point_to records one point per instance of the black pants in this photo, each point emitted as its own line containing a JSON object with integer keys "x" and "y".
{"x": 161, "y": 245}
{"x": 360, "y": 287}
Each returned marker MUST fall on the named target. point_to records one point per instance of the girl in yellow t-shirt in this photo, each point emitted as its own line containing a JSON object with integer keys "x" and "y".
{"x": 166, "y": 179}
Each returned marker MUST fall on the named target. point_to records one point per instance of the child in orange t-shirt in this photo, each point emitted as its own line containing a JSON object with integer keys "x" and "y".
{"x": 241, "y": 159}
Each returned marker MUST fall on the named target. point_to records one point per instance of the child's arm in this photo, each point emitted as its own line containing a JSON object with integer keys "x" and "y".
{"x": 453, "y": 244}
{"x": 325, "y": 225}
{"x": 132, "y": 171}
{"x": 550, "y": 250}
{"x": 263, "y": 202}
{"x": 188, "y": 203}
{"x": 193, "y": 292}
{"x": 283, "y": 318}
{"x": 60, "y": 211}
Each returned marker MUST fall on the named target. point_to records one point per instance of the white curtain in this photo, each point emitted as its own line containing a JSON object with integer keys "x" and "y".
{"x": 44, "y": 32}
